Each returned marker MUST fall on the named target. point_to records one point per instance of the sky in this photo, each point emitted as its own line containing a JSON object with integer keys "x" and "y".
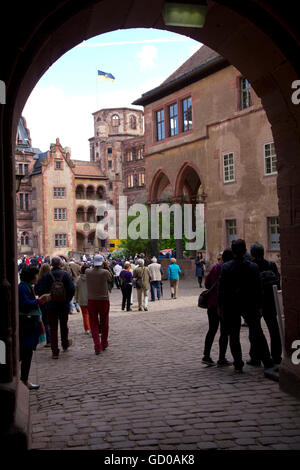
{"x": 62, "y": 102}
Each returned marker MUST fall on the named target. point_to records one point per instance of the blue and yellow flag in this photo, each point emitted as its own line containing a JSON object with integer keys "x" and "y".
{"x": 105, "y": 76}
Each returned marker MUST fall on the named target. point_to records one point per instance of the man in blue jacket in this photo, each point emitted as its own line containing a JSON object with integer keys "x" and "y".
{"x": 57, "y": 310}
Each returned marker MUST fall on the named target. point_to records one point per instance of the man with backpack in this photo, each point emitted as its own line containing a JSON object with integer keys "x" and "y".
{"x": 60, "y": 285}
{"x": 269, "y": 276}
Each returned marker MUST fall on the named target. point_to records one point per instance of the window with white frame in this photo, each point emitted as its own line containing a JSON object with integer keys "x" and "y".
{"x": 60, "y": 239}
{"x": 59, "y": 192}
{"x": 228, "y": 168}
{"x": 60, "y": 214}
{"x": 273, "y": 233}
{"x": 173, "y": 120}
{"x": 187, "y": 114}
{"x": 231, "y": 232}
{"x": 270, "y": 159}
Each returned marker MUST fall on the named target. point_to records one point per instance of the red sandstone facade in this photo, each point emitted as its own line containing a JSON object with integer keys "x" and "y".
{"x": 208, "y": 140}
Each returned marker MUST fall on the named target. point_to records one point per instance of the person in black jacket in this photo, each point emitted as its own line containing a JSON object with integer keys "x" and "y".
{"x": 240, "y": 292}
{"x": 58, "y": 310}
{"x": 269, "y": 276}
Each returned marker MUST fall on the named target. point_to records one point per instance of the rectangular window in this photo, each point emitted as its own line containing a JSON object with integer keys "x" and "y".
{"x": 230, "y": 231}
{"x": 173, "y": 119}
{"x": 228, "y": 168}
{"x": 60, "y": 214}
{"x": 58, "y": 165}
{"x": 109, "y": 164}
{"x": 160, "y": 125}
{"x": 35, "y": 241}
{"x": 270, "y": 159}
{"x": 59, "y": 192}
{"x": 110, "y": 186}
{"x": 245, "y": 93}
{"x": 134, "y": 153}
{"x": 20, "y": 169}
{"x": 141, "y": 179}
{"x": 187, "y": 114}
{"x": 109, "y": 150}
{"x": 130, "y": 181}
{"x": 129, "y": 156}
{"x": 273, "y": 233}
{"x": 60, "y": 240}
{"x": 21, "y": 196}
{"x": 26, "y": 169}
{"x": 27, "y": 202}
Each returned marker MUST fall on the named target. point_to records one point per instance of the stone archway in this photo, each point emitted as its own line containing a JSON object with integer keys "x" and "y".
{"x": 161, "y": 187}
{"x": 259, "y": 39}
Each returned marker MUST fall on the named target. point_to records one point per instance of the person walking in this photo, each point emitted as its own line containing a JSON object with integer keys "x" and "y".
{"x": 29, "y": 320}
{"x": 81, "y": 298}
{"x": 211, "y": 282}
{"x": 173, "y": 275}
{"x": 97, "y": 280}
{"x": 200, "y": 266}
{"x": 117, "y": 270}
{"x": 126, "y": 286}
{"x": 240, "y": 293}
{"x": 155, "y": 272}
{"x": 269, "y": 276}
{"x": 44, "y": 269}
{"x": 59, "y": 283}
{"x": 142, "y": 282}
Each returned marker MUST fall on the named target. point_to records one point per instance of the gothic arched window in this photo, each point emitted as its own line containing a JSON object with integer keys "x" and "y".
{"x": 115, "y": 120}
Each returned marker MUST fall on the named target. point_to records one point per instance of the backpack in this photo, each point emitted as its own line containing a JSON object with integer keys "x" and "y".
{"x": 269, "y": 279}
{"x": 58, "y": 291}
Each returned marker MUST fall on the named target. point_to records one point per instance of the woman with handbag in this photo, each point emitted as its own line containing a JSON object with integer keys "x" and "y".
{"x": 211, "y": 283}
{"x": 126, "y": 286}
{"x": 31, "y": 329}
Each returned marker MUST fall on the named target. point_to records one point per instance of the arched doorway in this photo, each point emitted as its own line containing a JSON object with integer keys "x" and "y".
{"x": 259, "y": 39}
{"x": 161, "y": 188}
{"x": 80, "y": 239}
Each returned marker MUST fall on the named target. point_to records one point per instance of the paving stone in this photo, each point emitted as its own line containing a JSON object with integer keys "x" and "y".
{"x": 153, "y": 392}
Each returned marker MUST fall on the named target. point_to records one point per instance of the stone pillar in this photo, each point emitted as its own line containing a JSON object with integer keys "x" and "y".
{"x": 14, "y": 397}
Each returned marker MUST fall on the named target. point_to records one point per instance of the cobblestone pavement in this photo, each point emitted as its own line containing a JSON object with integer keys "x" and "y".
{"x": 149, "y": 389}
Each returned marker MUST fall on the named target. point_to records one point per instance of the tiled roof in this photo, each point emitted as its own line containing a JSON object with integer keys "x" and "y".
{"x": 87, "y": 169}
{"x": 201, "y": 64}
{"x": 201, "y": 56}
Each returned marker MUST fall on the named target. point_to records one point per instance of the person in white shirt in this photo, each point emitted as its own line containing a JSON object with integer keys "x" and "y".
{"x": 155, "y": 272}
{"x": 117, "y": 269}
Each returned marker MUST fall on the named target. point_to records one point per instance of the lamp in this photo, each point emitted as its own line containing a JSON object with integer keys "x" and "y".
{"x": 18, "y": 181}
{"x": 186, "y": 15}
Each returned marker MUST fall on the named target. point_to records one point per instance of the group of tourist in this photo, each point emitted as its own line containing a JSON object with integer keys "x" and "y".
{"x": 241, "y": 286}
{"x": 49, "y": 291}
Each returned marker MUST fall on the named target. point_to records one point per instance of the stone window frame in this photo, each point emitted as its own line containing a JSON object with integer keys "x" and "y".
{"x": 269, "y": 234}
{"x": 141, "y": 179}
{"x": 173, "y": 117}
{"x": 189, "y": 127}
{"x": 115, "y": 120}
{"x": 271, "y": 160}
{"x": 60, "y": 188}
{"x": 230, "y": 166}
{"x": 60, "y": 237}
{"x": 244, "y": 91}
{"x": 160, "y": 125}
{"x": 133, "y": 121}
{"x": 61, "y": 211}
{"x": 61, "y": 167}
{"x": 129, "y": 180}
{"x": 229, "y": 237}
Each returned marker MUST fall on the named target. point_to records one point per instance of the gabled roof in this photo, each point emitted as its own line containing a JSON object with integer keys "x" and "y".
{"x": 201, "y": 64}
{"x": 23, "y": 139}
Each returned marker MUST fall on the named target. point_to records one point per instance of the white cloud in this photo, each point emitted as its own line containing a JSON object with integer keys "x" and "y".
{"x": 49, "y": 114}
{"x": 147, "y": 57}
